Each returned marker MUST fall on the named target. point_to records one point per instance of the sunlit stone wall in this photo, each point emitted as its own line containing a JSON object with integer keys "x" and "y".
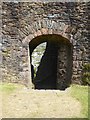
{"x": 23, "y": 21}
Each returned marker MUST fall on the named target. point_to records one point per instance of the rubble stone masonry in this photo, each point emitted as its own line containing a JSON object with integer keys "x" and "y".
{"x": 24, "y": 21}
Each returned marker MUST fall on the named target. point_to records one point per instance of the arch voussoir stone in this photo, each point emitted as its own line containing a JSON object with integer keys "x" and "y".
{"x": 44, "y": 27}
{"x": 46, "y": 31}
{"x": 21, "y": 34}
{"x": 28, "y": 38}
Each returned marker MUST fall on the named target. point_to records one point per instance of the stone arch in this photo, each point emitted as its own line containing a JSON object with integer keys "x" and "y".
{"x": 43, "y": 28}
{"x": 47, "y": 37}
{"x": 58, "y": 45}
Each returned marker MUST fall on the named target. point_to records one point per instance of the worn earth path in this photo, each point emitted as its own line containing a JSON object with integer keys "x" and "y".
{"x": 25, "y": 103}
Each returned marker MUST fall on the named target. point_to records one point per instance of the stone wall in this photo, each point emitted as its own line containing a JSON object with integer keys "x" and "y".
{"x": 24, "y": 21}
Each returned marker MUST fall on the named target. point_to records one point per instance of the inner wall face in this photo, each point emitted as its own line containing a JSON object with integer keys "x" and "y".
{"x": 64, "y": 66}
{"x": 55, "y": 69}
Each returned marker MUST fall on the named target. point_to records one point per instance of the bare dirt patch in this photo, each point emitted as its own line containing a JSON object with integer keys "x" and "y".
{"x": 26, "y": 103}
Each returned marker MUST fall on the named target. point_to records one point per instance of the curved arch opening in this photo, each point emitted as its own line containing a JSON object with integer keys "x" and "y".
{"x": 55, "y": 67}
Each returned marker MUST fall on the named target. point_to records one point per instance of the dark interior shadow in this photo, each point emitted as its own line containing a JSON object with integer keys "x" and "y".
{"x": 55, "y": 68}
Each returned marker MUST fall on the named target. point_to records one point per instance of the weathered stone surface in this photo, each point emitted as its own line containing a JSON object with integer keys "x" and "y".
{"x": 23, "y": 21}
{"x": 64, "y": 66}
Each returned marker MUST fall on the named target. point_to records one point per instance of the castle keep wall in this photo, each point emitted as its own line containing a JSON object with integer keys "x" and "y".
{"x": 24, "y": 21}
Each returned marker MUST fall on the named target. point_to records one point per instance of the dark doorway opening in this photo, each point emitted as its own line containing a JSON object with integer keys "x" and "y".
{"x": 55, "y": 68}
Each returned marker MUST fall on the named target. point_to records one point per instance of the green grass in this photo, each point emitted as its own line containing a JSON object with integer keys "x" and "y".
{"x": 9, "y": 87}
{"x": 81, "y": 94}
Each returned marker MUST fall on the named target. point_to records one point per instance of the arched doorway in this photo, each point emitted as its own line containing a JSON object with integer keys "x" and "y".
{"x": 55, "y": 68}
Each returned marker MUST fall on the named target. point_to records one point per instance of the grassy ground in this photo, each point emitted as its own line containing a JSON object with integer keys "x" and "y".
{"x": 8, "y": 88}
{"x": 79, "y": 93}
